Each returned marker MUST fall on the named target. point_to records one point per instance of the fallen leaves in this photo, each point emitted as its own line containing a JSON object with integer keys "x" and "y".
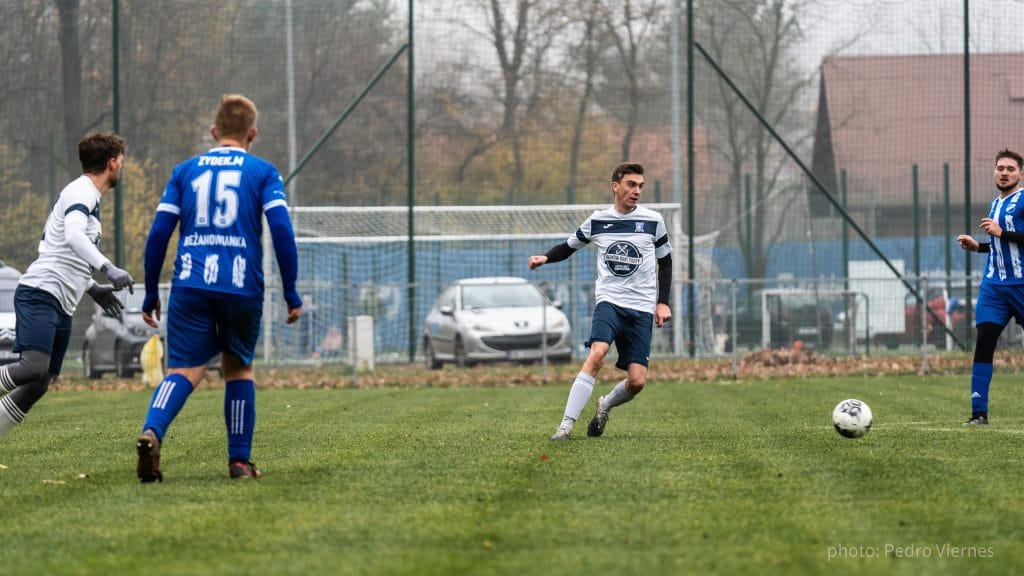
{"x": 758, "y": 365}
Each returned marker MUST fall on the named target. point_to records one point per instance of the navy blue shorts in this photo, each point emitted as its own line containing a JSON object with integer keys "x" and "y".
{"x": 630, "y": 330}
{"x": 204, "y": 323}
{"x": 998, "y": 302}
{"x": 41, "y": 325}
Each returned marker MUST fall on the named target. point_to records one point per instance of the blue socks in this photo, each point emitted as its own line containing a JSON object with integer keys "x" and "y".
{"x": 240, "y": 417}
{"x": 168, "y": 398}
{"x": 239, "y": 411}
{"x": 981, "y": 377}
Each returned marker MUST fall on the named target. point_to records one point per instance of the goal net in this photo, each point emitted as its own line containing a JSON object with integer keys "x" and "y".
{"x": 807, "y": 318}
{"x": 355, "y": 261}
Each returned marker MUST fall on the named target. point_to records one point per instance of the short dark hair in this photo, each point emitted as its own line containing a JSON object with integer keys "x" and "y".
{"x": 97, "y": 148}
{"x": 627, "y": 168}
{"x": 1007, "y": 153}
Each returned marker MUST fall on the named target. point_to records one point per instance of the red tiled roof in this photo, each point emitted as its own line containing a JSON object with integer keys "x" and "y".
{"x": 886, "y": 113}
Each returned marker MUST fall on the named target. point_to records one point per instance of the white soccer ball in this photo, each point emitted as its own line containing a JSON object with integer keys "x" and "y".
{"x": 852, "y": 418}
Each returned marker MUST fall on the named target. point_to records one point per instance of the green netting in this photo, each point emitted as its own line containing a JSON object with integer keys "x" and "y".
{"x": 531, "y": 102}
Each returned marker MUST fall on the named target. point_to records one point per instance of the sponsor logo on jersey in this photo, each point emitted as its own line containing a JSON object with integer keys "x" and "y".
{"x": 215, "y": 240}
{"x": 622, "y": 258}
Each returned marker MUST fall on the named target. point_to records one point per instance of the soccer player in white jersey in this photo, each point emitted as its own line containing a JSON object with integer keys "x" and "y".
{"x": 634, "y": 263}
{"x": 1002, "y": 287}
{"x": 219, "y": 199}
{"x": 54, "y": 283}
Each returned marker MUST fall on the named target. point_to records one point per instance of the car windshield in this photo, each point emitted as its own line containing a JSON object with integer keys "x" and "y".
{"x": 6, "y": 301}
{"x": 500, "y": 296}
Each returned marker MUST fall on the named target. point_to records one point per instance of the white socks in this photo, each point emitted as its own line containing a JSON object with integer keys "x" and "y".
{"x": 579, "y": 395}
{"x": 6, "y": 382}
{"x": 10, "y": 415}
{"x": 618, "y": 395}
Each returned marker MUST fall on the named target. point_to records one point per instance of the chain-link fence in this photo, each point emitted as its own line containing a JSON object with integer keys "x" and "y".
{"x": 816, "y": 139}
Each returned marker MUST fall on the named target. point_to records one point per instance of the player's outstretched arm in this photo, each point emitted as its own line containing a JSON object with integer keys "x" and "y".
{"x": 557, "y": 253}
{"x": 103, "y": 294}
{"x": 75, "y": 223}
{"x": 119, "y": 278}
{"x": 287, "y": 257}
{"x": 160, "y": 233}
{"x": 967, "y": 242}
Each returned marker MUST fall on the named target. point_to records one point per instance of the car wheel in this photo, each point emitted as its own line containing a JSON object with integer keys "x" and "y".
{"x": 121, "y": 367}
{"x": 88, "y": 364}
{"x": 460, "y": 354}
{"x": 430, "y": 357}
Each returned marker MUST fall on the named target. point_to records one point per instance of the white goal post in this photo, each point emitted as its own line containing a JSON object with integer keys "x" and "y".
{"x": 347, "y": 249}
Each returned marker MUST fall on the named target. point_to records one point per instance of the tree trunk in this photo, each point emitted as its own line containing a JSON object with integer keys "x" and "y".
{"x": 71, "y": 77}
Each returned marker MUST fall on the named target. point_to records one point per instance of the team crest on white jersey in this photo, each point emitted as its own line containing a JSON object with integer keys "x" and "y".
{"x": 639, "y": 227}
{"x": 622, "y": 258}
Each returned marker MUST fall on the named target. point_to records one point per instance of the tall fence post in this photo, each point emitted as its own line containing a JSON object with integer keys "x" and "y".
{"x": 924, "y": 326}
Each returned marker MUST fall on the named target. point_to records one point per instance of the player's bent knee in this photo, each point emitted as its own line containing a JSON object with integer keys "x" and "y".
{"x": 635, "y": 386}
{"x": 31, "y": 367}
{"x": 40, "y": 385}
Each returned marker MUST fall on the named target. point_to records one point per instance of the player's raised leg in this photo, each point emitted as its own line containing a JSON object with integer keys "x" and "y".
{"x": 26, "y": 381}
{"x": 623, "y": 392}
{"x": 633, "y": 342}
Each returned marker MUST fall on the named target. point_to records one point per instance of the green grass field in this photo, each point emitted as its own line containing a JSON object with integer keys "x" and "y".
{"x": 728, "y": 478}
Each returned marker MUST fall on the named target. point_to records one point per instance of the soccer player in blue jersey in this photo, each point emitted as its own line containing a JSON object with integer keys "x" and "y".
{"x": 1001, "y": 294}
{"x": 634, "y": 263}
{"x": 49, "y": 291}
{"x": 218, "y": 199}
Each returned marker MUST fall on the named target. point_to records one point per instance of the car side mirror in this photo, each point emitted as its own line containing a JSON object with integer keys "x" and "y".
{"x": 557, "y": 304}
{"x": 446, "y": 310}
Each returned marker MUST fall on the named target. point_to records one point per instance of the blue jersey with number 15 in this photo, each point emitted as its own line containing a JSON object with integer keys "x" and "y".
{"x": 220, "y": 198}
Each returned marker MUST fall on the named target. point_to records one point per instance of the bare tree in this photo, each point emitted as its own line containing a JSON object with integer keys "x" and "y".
{"x": 521, "y": 33}
{"x": 520, "y": 45}
{"x": 629, "y": 23}
{"x": 71, "y": 77}
{"x": 585, "y": 53}
{"x": 754, "y": 41}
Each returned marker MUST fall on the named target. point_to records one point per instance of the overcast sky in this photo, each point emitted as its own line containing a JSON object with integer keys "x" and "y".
{"x": 915, "y": 26}
{"x": 849, "y": 26}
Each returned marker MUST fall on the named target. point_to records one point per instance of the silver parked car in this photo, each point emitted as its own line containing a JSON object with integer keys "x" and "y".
{"x": 492, "y": 320}
{"x": 113, "y": 344}
{"x": 8, "y": 284}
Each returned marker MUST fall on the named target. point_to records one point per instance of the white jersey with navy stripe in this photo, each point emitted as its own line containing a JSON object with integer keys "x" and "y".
{"x": 1004, "y": 265}
{"x": 628, "y": 246}
{"x": 59, "y": 270}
